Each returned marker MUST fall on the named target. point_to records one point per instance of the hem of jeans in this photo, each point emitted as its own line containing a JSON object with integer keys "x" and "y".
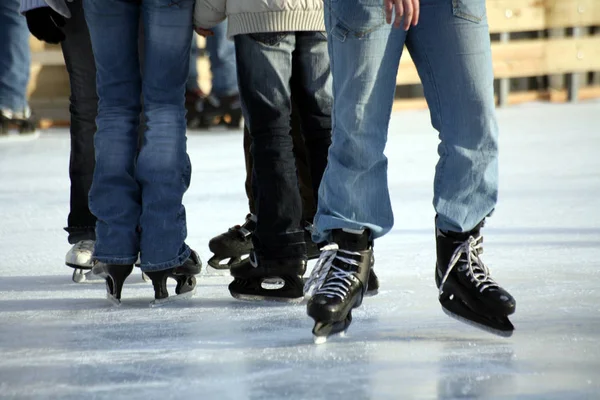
{"x": 175, "y": 262}
{"x": 322, "y": 230}
{"x": 120, "y": 260}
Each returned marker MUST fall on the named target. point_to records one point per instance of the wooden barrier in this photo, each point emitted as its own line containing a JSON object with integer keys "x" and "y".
{"x": 554, "y": 46}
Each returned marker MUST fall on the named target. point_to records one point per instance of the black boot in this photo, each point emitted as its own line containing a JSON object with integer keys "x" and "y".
{"x": 340, "y": 277}
{"x": 184, "y": 275}
{"x": 252, "y": 280}
{"x": 232, "y": 247}
{"x": 467, "y": 291}
{"x": 115, "y": 276}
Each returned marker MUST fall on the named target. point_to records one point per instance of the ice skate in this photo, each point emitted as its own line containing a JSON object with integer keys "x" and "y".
{"x": 79, "y": 257}
{"x": 23, "y": 121}
{"x": 115, "y": 276}
{"x": 185, "y": 277}
{"x": 338, "y": 283}
{"x": 264, "y": 279}
{"x": 467, "y": 292}
{"x": 232, "y": 247}
{"x": 206, "y": 111}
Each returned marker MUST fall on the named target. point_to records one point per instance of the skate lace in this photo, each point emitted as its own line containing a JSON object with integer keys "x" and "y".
{"x": 474, "y": 267}
{"x": 84, "y": 245}
{"x": 339, "y": 281}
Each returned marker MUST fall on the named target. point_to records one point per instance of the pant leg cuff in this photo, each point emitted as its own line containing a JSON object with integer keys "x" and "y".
{"x": 175, "y": 262}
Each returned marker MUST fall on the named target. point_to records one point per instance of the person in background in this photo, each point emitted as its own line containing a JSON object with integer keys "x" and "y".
{"x": 15, "y": 62}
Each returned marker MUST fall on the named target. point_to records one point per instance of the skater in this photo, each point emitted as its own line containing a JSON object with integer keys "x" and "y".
{"x": 15, "y": 60}
{"x": 451, "y": 50}
{"x": 64, "y": 23}
{"x": 222, "y": 105}
{"x": 136, "y": 194}
{"x": 273, "y": 38}
{"x": 233, "y": 246}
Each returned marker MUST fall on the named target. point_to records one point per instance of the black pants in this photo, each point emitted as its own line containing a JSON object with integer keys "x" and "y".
{"x": 77, "y": 51}
{"x": 269, "y": 66}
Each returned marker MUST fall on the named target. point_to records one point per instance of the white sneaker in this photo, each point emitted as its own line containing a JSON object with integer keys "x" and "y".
{"x": 80, "y": 255}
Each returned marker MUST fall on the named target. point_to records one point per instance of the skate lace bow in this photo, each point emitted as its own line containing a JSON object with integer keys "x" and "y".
{"x": 340, "y": 280}
{"x": 475, "y": 269}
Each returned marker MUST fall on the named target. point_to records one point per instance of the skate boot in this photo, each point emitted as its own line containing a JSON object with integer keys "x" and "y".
{"x": 183, "y": 274}
{"x": 232, "y": 247}
{"x": 79, "y": 257}
{"x": 467, "y": 292}
{"x": 22, "y": 120}
{"x": 115, "y": 276}
{"x": 264, "y": 279}
{"x": 223, "y": 110}
{"x": 339, "y": 281}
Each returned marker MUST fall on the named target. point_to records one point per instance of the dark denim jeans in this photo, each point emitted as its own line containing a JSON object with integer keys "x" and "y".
{"x": 269, "y": 65}
{"x": 79, "y": 58}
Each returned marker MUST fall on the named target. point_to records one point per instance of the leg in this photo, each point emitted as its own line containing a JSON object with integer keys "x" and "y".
{"x": 221, "y": 52}
{"x": 192, "y": 79}
{"x": 115, "y": 195}
{"x": 451, "y": 49}
{"x": 79, "y": 59}
{"x": 267, "y": 110}
{"x": 301, "y": 155}
{"x": 311, "y": 64}
{"x": 364, "y": 57}
{"x": 453, "y": 56}
{"x": 14, "y": 64}
{"x": 163, "y": 166}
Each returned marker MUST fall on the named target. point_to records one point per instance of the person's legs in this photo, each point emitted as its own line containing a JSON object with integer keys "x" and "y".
{"x": 313, "y": 84}
{"x": 221, "y": 52}
{"x": 163, "y": 166}
{"x": 15, "y": 60}
{"x": 79, "y": 59}
{"x": 451, "y": 49}
{"x": 192, "y": 79}
{"x": 265, "y": 93}
{"x": 364, "y": 56}
{"x": 115, "y": 195}
{"x": 453, "y": 55}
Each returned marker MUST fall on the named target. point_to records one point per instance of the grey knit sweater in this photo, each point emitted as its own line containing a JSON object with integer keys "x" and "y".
{"x": 60, "y": 6}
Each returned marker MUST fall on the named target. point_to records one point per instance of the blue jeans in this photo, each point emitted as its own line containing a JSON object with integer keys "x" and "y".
{"x": 451, "y": 50}
{"x": 15, "y": 58}
{"x": 221, "y": 52}
{"x": 137, "y": 195}
{"x": 265, "y": 64}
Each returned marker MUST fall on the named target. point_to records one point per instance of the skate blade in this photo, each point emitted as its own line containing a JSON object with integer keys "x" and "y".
{"x": 172, "y": 299}
{"x": 211, "y": 271}
{"x": 486, "y": 328}
{"x": 256, "y": 297}
{"x": 113, "y": 300}
{"x": 86, "y": 276}
{"x": 323, "y": 339}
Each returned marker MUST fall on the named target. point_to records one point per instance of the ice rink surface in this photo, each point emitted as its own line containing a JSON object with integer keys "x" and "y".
{"x": 61, "y": 340}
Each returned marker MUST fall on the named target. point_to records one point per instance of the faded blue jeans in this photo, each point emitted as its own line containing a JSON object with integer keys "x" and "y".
{"x": 451, "y": 50}
{"x": 137, "y": 195}
{"x": 15, "y": 57}
{"x": 221, "y": 52}
{"x": 272, "y": 66}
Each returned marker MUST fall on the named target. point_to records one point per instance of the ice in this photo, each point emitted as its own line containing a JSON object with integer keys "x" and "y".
{"x": 63, "y": 340}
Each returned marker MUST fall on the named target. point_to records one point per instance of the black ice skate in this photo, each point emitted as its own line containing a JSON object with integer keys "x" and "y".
{"x": 22, "y": 120}
{"x": 467, "y": 292}
{"x": 205, "y": 111}
{"x": 339, "y": 281}
{"x": 114, "y": 276}
{"x": 232, "y": 247}
{"x": 184, "y": 275}
{"x": 263, "y": 279}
